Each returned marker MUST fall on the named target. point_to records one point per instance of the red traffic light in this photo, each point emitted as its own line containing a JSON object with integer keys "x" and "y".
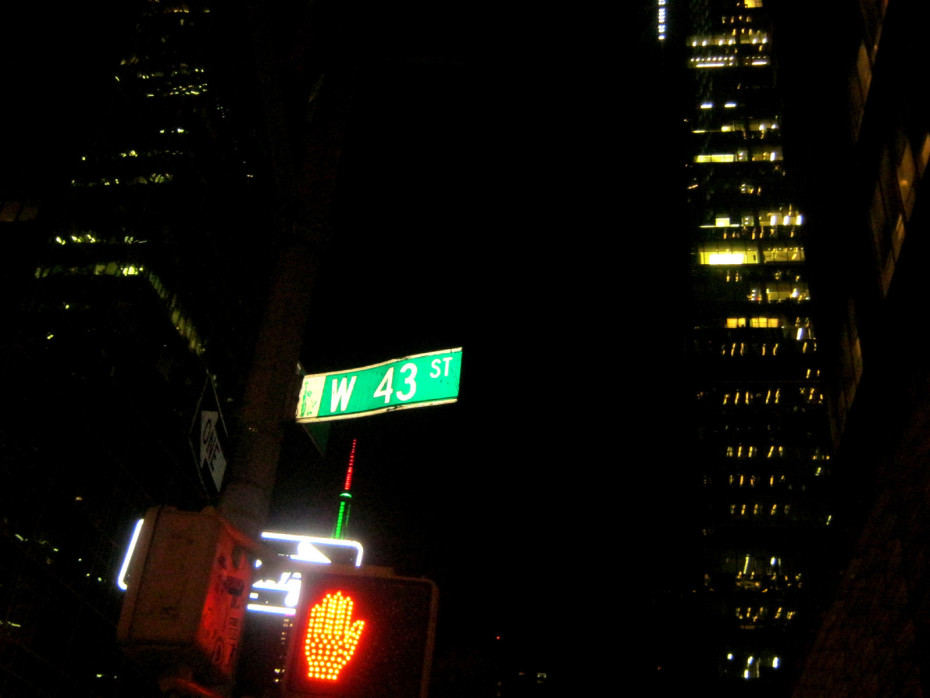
{"x": 361, "y": 634}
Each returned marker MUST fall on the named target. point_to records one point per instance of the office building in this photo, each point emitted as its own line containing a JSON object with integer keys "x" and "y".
{"x": 127, "y": 342}
{"x": 764, "y": 429}
{"x": 808, "y": 364}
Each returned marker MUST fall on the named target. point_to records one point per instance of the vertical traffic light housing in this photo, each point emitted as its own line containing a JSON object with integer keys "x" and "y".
{"x": 361, "y": 634}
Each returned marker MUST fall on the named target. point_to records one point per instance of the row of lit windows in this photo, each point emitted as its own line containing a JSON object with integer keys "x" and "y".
{"x": 751, "y": 568}
{"x": 749, "y": 451}
{"x": 98, "y": 269}
{"x": 760, "y": 232}
{"x": 89, "y": 237}
{"x": 181, "y": 320}
{"x": 741, "y": 451}
{"x": 772, "y": 396}
{"x": 761, "y": 181}
{"x": 752, "y": 451}
{"x": 747, "y": 19}
{"x": 725, "y": 61}
{"x": 757, "y": 322}
{"x": 780, "y": 292}
{"x": 752, "y": 218}
{"x": 772, "y": 153}
{"x": 755, "y": 566}
{"x": 777, "y": 290}
{"x": 741, "y": 35}
{"x": 737, "y": 253}
{"x": 767, "y": 349}
{"x": 154, "y": 178}
{"x": 734, "y": 274}
{"x": 759, "y": 581}
{"x": 756, "y": 480}
{"x": 160, "y": 153}
{"x": 760, "y": 510}
{"x": 753, "y": 665}
{"x": 757, "y": 573}
{"x": 735, "y": 398}
{"x": 801, "y": 325}
{"x": 190, "y": 90}
{"x": 728, "y": 45}
{"x": 741, "y": 397}
{"x": 181, "y": 69}
{"x": 757, "y": 128}
{"x": 759, "y": 614}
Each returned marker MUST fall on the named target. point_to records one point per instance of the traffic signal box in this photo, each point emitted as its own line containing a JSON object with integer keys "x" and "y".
{"x": 186, "y": 597}
{"x": 361, "y": 634}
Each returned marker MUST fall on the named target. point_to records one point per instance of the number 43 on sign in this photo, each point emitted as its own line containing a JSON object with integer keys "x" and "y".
{"x": 414, "y": 381}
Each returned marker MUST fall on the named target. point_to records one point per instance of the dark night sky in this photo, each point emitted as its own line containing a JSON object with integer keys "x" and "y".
{"x": 523, "y": 195}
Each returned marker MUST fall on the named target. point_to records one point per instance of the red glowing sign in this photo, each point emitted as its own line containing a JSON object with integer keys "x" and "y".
{"x": 330, "y": 636}
{"x": 360, "y": 633}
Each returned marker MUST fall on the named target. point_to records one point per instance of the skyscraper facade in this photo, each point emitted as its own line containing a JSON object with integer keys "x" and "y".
{"x": 129, "y": 342}
{"x": 764, "y": 437}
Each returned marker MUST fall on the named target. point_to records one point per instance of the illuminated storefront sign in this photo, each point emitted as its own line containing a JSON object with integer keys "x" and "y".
{"x": 277, "y": 593}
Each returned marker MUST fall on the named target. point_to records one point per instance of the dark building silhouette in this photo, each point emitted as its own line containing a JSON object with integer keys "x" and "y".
{"x": 126, "y": 339}
{"x": 873, "y": 640}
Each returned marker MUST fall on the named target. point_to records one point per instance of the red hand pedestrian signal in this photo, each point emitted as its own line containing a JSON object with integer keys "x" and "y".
{"x": 330, "y": 636}
{"x": 360, "y": 633}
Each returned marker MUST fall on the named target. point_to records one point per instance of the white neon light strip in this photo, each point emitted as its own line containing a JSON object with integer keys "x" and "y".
{"x": 308, "y": 554}
{"x": 121, "y": 578}
{"x": 275, "y": 610}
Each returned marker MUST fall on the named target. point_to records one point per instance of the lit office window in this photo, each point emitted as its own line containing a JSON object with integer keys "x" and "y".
{"x": 773, "y": 253}
{"x": 732, "y": 253}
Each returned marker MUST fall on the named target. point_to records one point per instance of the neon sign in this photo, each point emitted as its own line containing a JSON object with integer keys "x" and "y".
{"x": 276, "y": 595}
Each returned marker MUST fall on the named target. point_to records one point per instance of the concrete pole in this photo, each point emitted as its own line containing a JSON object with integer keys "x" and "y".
{"x": 306, "y": 98}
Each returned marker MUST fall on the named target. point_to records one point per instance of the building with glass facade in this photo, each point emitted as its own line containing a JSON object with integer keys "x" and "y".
{"x": 805, "y": 158}
{"x": 764, "y": 438}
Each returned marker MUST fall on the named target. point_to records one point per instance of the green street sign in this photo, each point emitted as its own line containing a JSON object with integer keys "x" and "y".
{"x": 414, "y": 381}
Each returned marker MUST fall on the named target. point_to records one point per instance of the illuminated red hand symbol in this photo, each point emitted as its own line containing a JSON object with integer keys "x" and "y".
{"x": 331, "y": 636}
